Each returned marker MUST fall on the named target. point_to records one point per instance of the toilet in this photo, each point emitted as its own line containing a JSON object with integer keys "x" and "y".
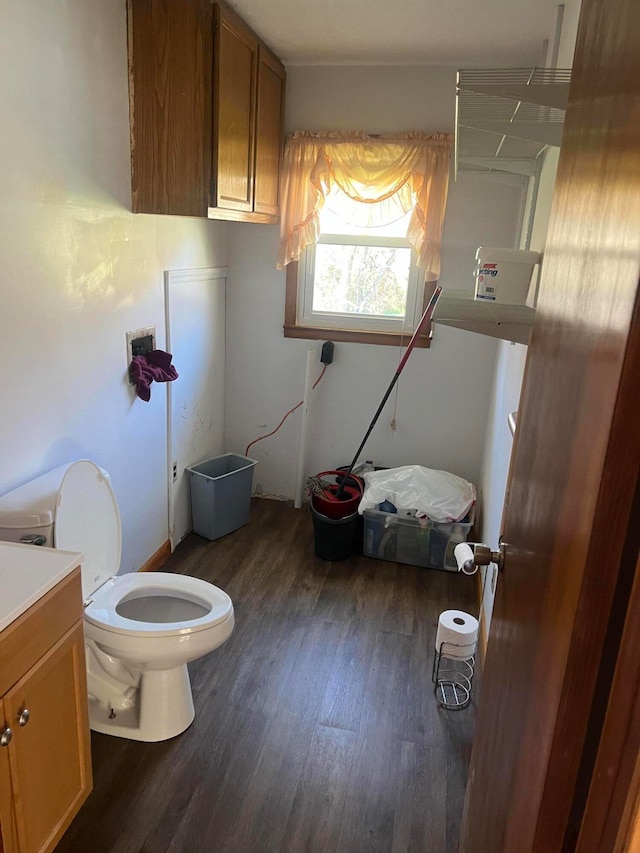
{"x": 140, "y": 629}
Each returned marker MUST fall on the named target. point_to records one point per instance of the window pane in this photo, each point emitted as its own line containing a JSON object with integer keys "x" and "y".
{"x": 361, "y": 280}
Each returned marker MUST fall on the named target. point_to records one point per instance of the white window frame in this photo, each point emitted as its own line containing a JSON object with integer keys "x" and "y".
{"x": 306, "y": 316}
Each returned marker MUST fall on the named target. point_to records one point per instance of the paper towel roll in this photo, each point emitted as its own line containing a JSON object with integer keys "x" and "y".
{"x": 459, "y": 632}
{"x": 464, "y": 557}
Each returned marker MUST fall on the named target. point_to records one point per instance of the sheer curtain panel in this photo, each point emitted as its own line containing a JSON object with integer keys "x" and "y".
{"x": 381, "y": 178}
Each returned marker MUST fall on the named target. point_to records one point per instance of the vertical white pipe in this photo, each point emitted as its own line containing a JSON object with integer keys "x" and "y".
{"x": 304, "y": 428}
{"x": 555, "y": 49}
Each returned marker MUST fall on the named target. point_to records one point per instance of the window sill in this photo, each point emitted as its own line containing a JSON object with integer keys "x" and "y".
{"x": 392, "y": 339}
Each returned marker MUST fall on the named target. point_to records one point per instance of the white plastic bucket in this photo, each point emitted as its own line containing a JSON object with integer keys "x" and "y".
{"x": 503, "y": 275}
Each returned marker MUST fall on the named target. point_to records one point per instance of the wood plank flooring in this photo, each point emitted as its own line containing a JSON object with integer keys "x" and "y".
{"x": 316, "y": 727}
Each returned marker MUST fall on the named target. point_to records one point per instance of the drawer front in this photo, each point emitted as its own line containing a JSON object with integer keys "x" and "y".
{"x": 40, "y": 627}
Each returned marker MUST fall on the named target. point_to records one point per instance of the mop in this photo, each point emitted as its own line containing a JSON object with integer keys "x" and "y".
{"x": 426, "y": 318}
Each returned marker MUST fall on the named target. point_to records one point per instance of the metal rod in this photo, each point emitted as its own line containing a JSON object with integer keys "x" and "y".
{"x": 304, "y": 428}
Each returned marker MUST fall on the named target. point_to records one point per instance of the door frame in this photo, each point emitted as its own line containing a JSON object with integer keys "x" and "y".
{"x": 174, "y": 278}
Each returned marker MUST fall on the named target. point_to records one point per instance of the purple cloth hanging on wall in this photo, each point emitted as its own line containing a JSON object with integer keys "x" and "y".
{"x": 152, "y": 366}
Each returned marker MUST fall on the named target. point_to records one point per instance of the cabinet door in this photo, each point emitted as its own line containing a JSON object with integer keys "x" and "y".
{"x": 7, "y": 824}
{"x": 170, "y": 79}
{"x": 50, "y": 756}
{"x": 270, "y": 110}
{"x": 236, "y": 52}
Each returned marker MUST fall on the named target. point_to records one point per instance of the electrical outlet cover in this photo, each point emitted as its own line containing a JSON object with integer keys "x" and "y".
{"x": 146, "y": 331}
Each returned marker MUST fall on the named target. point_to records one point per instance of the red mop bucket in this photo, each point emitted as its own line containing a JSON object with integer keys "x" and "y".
{"x": 333, "y": 506}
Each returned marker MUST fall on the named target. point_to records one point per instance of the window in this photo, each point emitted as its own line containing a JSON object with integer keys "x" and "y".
{"x": 364, "y": 283}
{"x": 361, "y": 282}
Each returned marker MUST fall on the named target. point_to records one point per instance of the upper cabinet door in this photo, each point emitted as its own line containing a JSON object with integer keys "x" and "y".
{"x": 170, "y": 80}
{"x": 270, "y": 113}
{"x": 236, "y": 56}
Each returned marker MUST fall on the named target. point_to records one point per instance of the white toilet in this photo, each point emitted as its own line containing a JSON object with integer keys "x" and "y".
{"x": 140, "y": 629}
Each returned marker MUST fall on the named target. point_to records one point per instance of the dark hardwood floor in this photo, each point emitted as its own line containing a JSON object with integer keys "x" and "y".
{"x": 316, "y": 726}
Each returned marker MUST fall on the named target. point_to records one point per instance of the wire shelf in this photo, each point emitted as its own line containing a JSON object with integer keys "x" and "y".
{"x": 506, "y": 117}
{"x": 547, "y": 87}
{"x": 482, "y": 107}
{"x": 528, "y": 75}
{"x": 473, "y": 144}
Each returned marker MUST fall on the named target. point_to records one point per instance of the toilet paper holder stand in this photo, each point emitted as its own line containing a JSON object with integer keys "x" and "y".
{"x": 452, "y": 677}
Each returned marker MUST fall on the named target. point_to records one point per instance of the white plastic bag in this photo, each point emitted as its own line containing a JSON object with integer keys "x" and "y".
{"x": 438, "y": 494}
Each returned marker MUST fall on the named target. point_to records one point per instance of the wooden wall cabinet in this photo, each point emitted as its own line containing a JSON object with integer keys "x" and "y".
{"x": 206, "y": 110}
{"x": 45, "y": 759}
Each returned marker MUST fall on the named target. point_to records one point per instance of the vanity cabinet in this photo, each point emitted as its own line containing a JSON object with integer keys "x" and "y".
{"x": 206, "y": 111}
{"x": 45, "y": 757}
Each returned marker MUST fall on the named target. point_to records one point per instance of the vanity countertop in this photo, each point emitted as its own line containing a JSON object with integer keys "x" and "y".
{"x": 27, "y": 572}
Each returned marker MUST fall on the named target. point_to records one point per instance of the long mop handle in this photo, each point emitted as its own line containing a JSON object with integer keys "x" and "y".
{"x": 426, "y": 317}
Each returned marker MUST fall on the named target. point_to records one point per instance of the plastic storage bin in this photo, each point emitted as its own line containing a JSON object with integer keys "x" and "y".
{"x": 405, "y": 539}
{"x": 220, "y": 494}
{"x": 504, "y": 275}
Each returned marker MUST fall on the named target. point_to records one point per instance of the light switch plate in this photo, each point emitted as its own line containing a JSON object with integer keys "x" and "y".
{"x": 134, "y": 335}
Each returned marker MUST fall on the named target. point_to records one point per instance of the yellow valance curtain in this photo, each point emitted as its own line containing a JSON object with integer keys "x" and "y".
{"x": 384, "y": 177}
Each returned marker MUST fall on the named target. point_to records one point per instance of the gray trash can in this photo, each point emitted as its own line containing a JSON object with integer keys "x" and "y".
{"x": 220, "y": 491}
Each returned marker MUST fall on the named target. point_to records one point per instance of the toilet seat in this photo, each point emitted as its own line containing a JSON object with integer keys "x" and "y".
{"x": 102, "y": 611}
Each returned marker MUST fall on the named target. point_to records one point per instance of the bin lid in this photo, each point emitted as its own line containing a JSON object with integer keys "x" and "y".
{"x": 87, "y": 520}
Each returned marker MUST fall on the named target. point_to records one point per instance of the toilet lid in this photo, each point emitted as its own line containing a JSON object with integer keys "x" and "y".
{"x": 87, "y": 520}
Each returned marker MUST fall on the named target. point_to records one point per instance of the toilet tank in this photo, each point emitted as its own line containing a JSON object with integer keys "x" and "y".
{"x": 74, "y": 508}
{"x": 30, "y": 510}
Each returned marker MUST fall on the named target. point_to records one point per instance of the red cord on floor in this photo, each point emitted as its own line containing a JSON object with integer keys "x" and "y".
{"x": 290, "y": 412}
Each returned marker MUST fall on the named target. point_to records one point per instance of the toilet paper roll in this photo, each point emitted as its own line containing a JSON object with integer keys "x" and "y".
{"x": 464, "y": 557}
{"x": 459, "y": 633}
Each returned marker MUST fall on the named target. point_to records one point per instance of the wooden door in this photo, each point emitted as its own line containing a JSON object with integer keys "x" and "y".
{"x": 236, "y": 53}
{"x": 269, "y": 118}
{"x": 562, "y": 598}
{"x": 50, "y": 756}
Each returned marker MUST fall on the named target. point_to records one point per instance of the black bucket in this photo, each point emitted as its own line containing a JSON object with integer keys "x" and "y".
{"x": 336, "y": 538}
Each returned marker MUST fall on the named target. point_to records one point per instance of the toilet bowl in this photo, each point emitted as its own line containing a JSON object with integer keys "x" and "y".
{"x": 140, "y": 630}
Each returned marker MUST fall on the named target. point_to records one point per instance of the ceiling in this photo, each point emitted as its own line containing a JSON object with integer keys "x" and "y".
{"x": 463, "y": 33}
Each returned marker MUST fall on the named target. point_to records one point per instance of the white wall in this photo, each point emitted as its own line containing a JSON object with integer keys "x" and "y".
{"x": 78, "y": 270}
{"x": 511, "y": 358}
{"x": 444, "y": 391}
